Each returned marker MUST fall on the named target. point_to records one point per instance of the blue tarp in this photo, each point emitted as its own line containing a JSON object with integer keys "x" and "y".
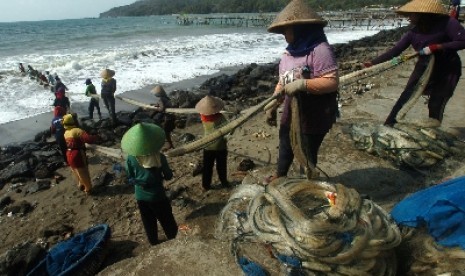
{"x": 440, "y": 208}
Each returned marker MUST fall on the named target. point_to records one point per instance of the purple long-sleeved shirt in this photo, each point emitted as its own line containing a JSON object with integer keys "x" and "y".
{"x": 447, "y": 69}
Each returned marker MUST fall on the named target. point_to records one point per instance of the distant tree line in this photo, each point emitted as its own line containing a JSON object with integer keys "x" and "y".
{"x": 162, "y": 7}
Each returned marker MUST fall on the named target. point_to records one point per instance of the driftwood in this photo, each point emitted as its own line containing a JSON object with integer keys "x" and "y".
{"x": 364, "y": 73}
{"x": 110, "y": 152}
{"x": 167, "y": 110}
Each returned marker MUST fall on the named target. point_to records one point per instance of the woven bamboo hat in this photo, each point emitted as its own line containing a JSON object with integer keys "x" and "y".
{"x": 107, "y": 73}
{"x": 209, "y": 105}
{"x": 295, "y": 13}
{"x": 143, "y": 139}
{"x": 423, "y": 6}
{"x": 158, "y": 91}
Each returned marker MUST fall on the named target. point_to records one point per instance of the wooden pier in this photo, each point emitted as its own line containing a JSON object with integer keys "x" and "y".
{"x": 234, "y": 20}
{"x": 363, "y": 19}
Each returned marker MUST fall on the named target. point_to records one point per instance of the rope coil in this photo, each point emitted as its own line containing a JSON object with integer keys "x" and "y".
{"x": 329, "y": 228}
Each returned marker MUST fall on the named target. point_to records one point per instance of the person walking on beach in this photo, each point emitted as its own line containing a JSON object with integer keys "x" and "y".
{"x": 108, "y": 92}
{"x": 58, "y": 130}
{"x": 433, "y": 32}
{"x": 62, "y": 100}
{"x": 94, "y": 99}
{"x": 209, "y": 108}
{"x": 146, "y": 169}
{"x": 76, "y": 151}
{"x": 163, "y": 119}
{"x": 308, "y": 75}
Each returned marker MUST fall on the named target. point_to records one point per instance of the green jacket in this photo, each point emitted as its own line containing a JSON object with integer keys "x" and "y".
{"x": 209, "y": 127}
{"x": 90, "y": 90}
{"x": 148, "y": 183}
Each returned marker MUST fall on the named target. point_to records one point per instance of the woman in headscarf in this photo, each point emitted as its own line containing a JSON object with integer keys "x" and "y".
{"x": 163, "y": 119}
{"x": 308, "y": 76}
{"x": 62, "y": 100}
{"x": 435, "y": 33}
{"x": 76, "y": 140}
{"x": 209, "y": 108}
{"x": 146, "y": 169}
{"x": 58, "y": 130}
{"x": 108, "y": 92}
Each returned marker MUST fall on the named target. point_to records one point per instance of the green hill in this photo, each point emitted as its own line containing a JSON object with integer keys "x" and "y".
{"x": 161, "y": 7}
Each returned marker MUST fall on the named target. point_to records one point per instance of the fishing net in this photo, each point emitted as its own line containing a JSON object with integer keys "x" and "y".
{"x": 312, "y": 226}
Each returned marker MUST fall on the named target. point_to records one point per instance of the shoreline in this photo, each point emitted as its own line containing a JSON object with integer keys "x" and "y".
{"x": 24, "y": 130}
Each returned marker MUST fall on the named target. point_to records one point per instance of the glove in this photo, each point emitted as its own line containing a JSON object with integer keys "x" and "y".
{"x": 428, "y": 50}
{"x": 395, "y": 60}
{"x": 271, "y": 115}
{"x": 367, "y": 64}
{"x": 295, "y": 86}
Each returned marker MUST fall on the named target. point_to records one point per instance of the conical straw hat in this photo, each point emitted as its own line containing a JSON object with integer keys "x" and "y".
{"x": 107, "y": 73}
{"x": 143, "y": 139}
{"x": 423, "y": 6}
{"x": 296, "y": 12}
{"x": 209, "y": 105}
{"x": 158, "y": 91}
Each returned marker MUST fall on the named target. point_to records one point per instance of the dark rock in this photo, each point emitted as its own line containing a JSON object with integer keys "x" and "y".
{"x": 246, "y": 165}
{"x": 42, "y": 136}
{"x": 4, "y": 201}
{"x": 56, "y": 230}
{"x": 186, "y": 138}
{"x": 20, "y": 208}
{"x": 103, "y": 178}
{"x": 39, "y": 185}
{"x": 20, "y": 259}
{"x": 22, "y": 168}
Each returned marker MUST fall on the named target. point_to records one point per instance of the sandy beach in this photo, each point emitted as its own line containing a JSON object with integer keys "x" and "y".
{"x": 196, "y": 251}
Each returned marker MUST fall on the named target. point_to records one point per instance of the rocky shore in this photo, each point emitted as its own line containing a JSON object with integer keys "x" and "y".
{"x": 41, "y": 205}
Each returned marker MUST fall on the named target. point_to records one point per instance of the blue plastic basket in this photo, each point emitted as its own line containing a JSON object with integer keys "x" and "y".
{"x": 63, "y": 258}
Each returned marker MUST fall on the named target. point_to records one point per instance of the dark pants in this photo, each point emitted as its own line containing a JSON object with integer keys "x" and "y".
{"x": 311, "y": 145}
{"x": 440, "y": 87}
{"x": 109, "y": 102}
{"x": 94, "y": 104}
{"x": 209, "y": 158}
{"x": 150, "y": 212}
{"x": 60, "y": 139}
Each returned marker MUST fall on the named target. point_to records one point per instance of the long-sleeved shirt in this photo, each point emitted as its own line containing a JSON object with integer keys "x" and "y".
{"x": 318, "y": 112}
{"x": 215, "y": 121}
{"x": 447, "y": 32}
{"x": 108, "y": 86}
{"x": 148, "y": 182}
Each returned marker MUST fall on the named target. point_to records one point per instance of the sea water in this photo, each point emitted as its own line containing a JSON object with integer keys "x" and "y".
{"x": 142, "y": 50}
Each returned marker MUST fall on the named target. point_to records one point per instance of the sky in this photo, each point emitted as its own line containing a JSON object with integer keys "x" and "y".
{"x": 35, "y": 10}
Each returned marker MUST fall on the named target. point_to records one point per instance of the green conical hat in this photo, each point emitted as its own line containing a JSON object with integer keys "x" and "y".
{"x": 143, "y": 139}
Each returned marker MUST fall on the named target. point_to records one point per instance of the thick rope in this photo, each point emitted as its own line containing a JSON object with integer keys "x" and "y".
{"x": 418, "y": 90}
{"x": 329, "y": 228}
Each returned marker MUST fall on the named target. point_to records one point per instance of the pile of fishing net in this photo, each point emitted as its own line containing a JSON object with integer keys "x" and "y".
{"x": 313, "y": 227}
{"x": 423, "y": 256}
{"x": 406, "y": 144}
